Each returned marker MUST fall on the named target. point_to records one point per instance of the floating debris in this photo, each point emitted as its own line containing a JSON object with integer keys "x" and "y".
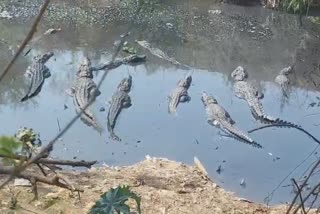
{"x": 219, "y": 169}
{"x": 243, "y": 182}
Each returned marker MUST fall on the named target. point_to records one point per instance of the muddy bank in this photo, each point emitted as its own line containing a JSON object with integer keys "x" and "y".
{"x": 164, "y": 186}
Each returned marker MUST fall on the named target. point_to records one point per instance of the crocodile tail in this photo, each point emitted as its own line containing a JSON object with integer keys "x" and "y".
{"x": 278, "y": 121}
{"x": 236, "y": 133}
{"x": 26, "y": 97}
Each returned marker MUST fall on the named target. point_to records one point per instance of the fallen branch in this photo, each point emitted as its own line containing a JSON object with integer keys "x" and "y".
{"x": 299, "y": 190}
{"x": 33, "y": 178}
{"x": 81, "y": 163}
{"x": 279, "y": 125}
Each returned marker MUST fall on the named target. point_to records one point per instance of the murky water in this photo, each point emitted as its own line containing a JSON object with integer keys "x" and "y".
{"x": 146, "y": 127}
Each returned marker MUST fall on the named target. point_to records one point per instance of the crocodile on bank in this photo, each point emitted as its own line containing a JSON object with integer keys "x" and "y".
{"x": 120, "y": 100}
{"x": 179, "y": 94}
{"x": 219, "y": 117}
{"x": 283, "y": 81}
{"x": 247, "y": 91}
{"x": 37, "y": 72}
{"x": 85, "y": 91}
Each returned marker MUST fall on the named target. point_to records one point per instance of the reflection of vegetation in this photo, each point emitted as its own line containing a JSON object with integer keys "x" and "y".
{"x": 297, "y": 6}
{"x": 115, "y": 201}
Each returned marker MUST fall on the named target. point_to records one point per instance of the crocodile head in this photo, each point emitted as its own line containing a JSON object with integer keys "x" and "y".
{"x": 239, "y": 74}
{"x": 186, "y": 82}
{"x": 286, "y": 70}
{"x": 207, "y": 99}
{"x": 85, "y": 68}
{"x": 43, "y": 58}
{"x": 125, "y": 84}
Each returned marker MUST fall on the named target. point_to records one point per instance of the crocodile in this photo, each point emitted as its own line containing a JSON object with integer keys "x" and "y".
{"x": 159, "y": 53}
{"x": 120, "y": 100}
{"x": 217, "y": 116}
{"x": 283, "y": 81}
{"x": 85, "y": 91}
{"x": 247, "y": 91}
{"x": 37, "y": 72}
{"x": 179, "y": 94}
{"x": 131, "y": 60}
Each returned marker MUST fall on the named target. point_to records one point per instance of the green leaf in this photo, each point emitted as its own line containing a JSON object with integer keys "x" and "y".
{"x": 114, "y": 201}
{"x": 9, "y": 146}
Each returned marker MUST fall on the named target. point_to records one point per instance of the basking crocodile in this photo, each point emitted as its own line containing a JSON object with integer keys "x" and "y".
{"x": 85, "y": 91}
{"x": 37, "y": 72}
{"x": 120, "y": 100}
{"x": 283, "y": 81}
{"x": 219, "y": 117}
{"x": 180, "y": 94}
{"x": 245, "y": 90}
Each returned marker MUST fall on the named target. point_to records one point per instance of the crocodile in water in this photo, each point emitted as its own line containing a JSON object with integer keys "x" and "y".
{"x": 247, "y": 91}
{"x": 85, "y": 91}
{"x": 159, "y": 53}
{"x": 120, "y": 100}
{"x": 180, "y": 94}
{"x": 37, "y": 72}
{"x": 219, "y": 117}
{"x": 283, "y": 81}
{"x": 131, "y": 60}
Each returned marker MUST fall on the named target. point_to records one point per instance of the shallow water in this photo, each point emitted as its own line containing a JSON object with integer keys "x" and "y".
{"x": 147, "y": 128}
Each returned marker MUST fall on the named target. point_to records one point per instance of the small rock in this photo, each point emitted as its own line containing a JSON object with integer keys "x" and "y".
{"x": 5, "y": 14}
{"x": 102, "y": 109}
{"x": 22, "y": 182}
{"x": 169, "y": 25}
{"x": 214, "y": 12}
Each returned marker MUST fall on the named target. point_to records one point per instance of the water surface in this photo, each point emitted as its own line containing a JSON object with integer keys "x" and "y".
{"x": 146, "y": 127}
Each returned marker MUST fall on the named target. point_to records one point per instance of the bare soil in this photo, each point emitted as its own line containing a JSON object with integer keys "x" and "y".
{"x": 165, "y": 187}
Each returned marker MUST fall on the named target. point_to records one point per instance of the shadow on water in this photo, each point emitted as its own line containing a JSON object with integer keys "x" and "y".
{"x": 263, "y": 42}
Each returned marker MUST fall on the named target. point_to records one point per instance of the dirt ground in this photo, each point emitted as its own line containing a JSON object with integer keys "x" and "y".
{"x": 165, "y": 187}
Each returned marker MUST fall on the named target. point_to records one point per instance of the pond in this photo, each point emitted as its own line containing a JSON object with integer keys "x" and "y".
{"x": 146, "y": 128}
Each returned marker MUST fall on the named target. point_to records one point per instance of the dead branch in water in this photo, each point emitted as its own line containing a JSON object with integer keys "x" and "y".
{"x": 27, "y": 39}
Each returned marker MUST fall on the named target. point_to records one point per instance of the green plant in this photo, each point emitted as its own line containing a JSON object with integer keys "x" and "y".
{"x": 8, "y": 147}
{"x": 115, "y": 201}
{"x": 297, "y": 6}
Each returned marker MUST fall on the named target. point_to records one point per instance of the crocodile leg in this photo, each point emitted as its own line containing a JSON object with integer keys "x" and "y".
{"x": 184, "y": 98}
